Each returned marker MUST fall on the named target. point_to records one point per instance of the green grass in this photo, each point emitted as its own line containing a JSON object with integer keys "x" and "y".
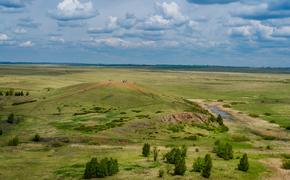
{"x": 104, "y": 117}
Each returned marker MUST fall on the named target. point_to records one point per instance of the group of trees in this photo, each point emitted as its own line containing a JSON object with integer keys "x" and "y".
{"x": 176, "y": 156}
{"x": 101, "y": 169}
{"x": 203, "y": 165}
{"x": 223, "y": 150}
{"x": 11, "y": 92}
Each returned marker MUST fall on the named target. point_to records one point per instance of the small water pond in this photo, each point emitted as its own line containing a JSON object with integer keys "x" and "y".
{"x": 216, "y": 110}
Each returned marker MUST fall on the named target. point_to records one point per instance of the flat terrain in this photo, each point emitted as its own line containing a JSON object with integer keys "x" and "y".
{"x": 85, "y": 112}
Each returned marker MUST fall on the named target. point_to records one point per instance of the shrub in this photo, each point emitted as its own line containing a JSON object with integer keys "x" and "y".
{"x": 267, "y": 114}
{"x": 90, "y": 170}
{"x": 106, "y": 167}
{"x": 244, "y": 164}
{"x": 206, "y": 171}
{"x": 155, "y": 154}
{"x": 180, "y": 166}
{"x": 240, "y": 138}
{"x": 223, "y": 150}
{"x": 172, "y": 156}
{"x": 192, "y": 137}
{"x": 288, "y": 128}
{"x": 146, "y": 150}
{"x": 36, "y": 138}
{"x": 1, "y": 132}
{"x": 198, "y": 165}
{"x": 220, "y": 120}
{"x": 183, "y": 151}
{"x": 286, "y": 164}
{"x": 176, "y": 128}
{"x": 161, "y": 173}
{"x": 13, "y": 142}
{"x": 253, "y": 115}
{"x": 10, "y": 118}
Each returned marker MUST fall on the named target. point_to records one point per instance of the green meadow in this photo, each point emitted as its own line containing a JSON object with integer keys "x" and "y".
{"x": 85, "y": 112}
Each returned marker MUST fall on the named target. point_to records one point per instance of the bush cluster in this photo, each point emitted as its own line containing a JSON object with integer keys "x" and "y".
{"x": 171, "y": 156}
{"x": 286, "y": 164}
{"x": 244, "y": 164}
{"x": 11, "y": 92}
{"x": 146, "y": 150}
{"x": 203, "y": 165}
{"x": 223, "y": 150}
{"x": 101, "y": 169}
{"x": 13, "y": 142}
{"x": 177, "y": 157}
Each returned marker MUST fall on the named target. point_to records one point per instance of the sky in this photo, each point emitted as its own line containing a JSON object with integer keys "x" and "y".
{"x": 187, "y": 32}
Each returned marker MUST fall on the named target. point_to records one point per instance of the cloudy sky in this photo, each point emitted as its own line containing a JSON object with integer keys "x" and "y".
{"x": 198, "y": 32}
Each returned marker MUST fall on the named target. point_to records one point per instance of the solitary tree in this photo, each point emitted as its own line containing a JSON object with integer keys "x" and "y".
{"x": 183, "y": 151}
{"x": 10, "y": 118}
{"x": 198, "y": 164}
{"x": 220, "y": 120}
{"x": 155, "y": 154}
{"x": 180, "y": 166}
{"x": 228, "y": 152}
{"x": 206, "y": 171}
{"x": 146, "y": 150}
{"x": 244, "y": 164}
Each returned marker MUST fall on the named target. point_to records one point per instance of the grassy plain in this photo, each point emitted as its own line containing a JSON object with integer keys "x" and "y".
{"x": 83, "y": 112}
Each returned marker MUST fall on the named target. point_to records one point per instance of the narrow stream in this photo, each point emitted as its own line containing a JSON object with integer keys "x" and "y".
{"x": 218, "y": 111}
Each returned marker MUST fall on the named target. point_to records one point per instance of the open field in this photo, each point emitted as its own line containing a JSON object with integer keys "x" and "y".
{"x": 85, "y": 112}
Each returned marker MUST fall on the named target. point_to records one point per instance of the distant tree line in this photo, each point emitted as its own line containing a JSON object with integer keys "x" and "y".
{"x": 12, "y": 92}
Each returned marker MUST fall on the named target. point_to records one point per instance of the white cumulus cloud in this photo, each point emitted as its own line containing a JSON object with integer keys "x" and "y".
{"x": 74, "y": 10}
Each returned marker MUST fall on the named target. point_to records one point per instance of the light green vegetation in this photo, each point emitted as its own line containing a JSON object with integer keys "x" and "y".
{"x": 85, "y": 112}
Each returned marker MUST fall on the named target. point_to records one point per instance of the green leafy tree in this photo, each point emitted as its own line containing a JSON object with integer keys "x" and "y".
{"x": 183, "y": 151}
{"x": 10, "y": 118}
{"x": 228, "y": 152}
{"x": 146, "y": 150}
{"x": 102, "y": 169}
{"x": 180, "y": 166}
{"x": 223, "y": 150}
{"x": 113, "y": 167}
{"x": 244, "y": 164}
{"x": 198, "y": 165}
{"x": 106, "y": 167}
{"x": 90, "y": 170}
{"x": 171, "y": 155}
{"x": 220, "y": 120}
{"x": 206, "y": 171}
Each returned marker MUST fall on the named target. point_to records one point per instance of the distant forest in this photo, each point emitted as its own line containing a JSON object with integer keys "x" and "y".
{"x": 206, "y": 68}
